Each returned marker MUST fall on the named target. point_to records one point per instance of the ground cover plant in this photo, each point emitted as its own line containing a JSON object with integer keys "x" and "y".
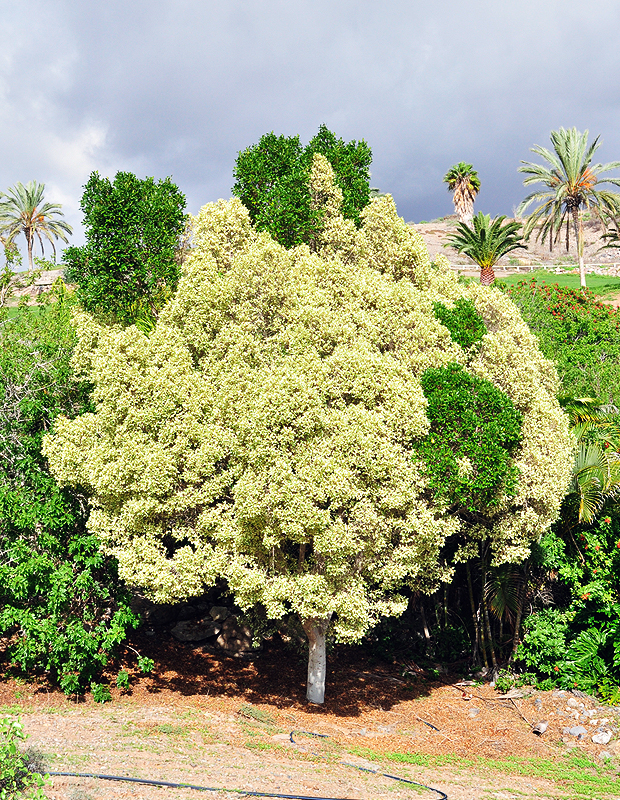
{"x": 263, "y": 432}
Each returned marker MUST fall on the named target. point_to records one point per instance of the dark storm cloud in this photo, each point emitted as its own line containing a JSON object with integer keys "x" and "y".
{"x": 165, "y": 88}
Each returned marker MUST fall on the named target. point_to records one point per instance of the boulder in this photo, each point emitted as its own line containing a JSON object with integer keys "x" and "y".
{"x": 234, "y": 638}
{"x": 604, "y": 737}
{"x": 196, "y": 630}
{"x": 220, "y": 613}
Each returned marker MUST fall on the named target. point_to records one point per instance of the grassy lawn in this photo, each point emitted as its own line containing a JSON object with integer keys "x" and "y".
{"x": 601, "y": 285}
{"x": 576, "y": 774}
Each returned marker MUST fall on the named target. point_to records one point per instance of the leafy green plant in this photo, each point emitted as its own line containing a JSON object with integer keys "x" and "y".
{"x": 504, "y": 681}
{"x": 146, "y": 665}
{"x": 465, "y": 324}
{"x": 122, "y": 680}
{"x": 101, "y": 692}
{"x": 18, "y": 778}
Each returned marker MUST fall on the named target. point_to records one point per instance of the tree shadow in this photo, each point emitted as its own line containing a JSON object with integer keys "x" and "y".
{"x": 276, "y": 676}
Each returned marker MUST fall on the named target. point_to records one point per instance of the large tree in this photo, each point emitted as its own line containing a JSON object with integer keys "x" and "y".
{"x": 464, "y": 183}
{"x": 129, "y": 264}
{"x": 23, "y": 210}
{"x": 571, "y": 183}
{"x": 280, "y": 426}
{"x": 271, "y": 180}
{"x": 485, "y": 241}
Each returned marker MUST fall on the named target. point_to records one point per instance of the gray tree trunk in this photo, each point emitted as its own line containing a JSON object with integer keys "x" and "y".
{"x": 316, "y": 630}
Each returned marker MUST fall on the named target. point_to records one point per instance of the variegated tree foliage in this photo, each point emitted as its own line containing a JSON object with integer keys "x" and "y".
{"x": 263, "y": 431}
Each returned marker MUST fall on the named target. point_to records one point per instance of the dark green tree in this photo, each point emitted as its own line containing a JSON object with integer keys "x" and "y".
{"x": 129, "y": 264}
{"x": 271, "y": 180}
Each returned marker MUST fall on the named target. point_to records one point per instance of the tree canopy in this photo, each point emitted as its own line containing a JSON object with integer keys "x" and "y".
{"x": 464, "y": 183}
{"x": 128, "y": 266}
{"x": 271, "y": 180}
{"x": 266, "y": 431}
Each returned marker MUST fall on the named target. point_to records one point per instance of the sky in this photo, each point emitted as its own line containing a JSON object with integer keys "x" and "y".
{"x": 164, "y": 88}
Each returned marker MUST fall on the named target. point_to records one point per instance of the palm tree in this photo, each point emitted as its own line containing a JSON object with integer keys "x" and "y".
{"x": 22, "y": 210}
{"x": 570, "y": 185}
{"x": 463, "y": 180}
{"x": 486, "y": 242}
{"x": 596, "y": 473}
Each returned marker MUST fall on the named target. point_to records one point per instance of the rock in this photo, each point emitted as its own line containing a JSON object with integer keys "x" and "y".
{"x": 577, "y": 730}
{"x": 540, "y": 727}
{"x": 604, "y": 755}
{"x": 186, "y": 611}
{"x": 235, "y": 638}
{"x": 219, "y": 613}
{"x": 473, "y": 712}
{"x": 602, "y": 738}
{"x": 196, "y": 630}
{"x": 559, "y": 693}
{"x": 572, "y": 703}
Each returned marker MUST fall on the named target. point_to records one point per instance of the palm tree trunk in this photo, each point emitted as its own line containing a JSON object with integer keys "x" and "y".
{"x": 30, "y": 242}
{"x": 579, "y": 239}
{"x": 487, "y": 276}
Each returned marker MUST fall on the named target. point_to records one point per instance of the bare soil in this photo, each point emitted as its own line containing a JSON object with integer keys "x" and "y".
{"x": 223, "y": 722}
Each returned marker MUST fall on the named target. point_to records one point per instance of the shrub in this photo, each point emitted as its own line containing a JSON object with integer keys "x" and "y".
{"x": 62, "y": 605}
{"x": 580, "y": 334}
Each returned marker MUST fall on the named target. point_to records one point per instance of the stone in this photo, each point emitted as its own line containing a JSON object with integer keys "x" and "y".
{"x": 540, "y": 727}
{"x": 219, "y": 613}
{"x": 602, "y": 738}
{"x": 605, "y": 755}
{"x": 196, "y": 630}
{"x": 235, "y": 638}
{"x": 473, "y": 712}
{"x": 577, "y": 730}
{"x": 572, "y": 703}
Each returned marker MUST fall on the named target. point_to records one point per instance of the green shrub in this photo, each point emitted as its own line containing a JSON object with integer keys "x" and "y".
{"x": 466, "y": 326}
{"x": 578, "y": 333}
{"x": 475, "y": 429}
{"x": 62, "y": 606}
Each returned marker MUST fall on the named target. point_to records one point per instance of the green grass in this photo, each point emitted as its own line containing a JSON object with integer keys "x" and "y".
{"x": 600, "y": 284}
{"x": 574, "y": 773}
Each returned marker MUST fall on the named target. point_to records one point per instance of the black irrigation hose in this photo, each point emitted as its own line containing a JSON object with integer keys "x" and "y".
{"x": 170, "y": 785}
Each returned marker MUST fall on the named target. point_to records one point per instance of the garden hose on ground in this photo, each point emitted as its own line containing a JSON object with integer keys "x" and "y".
{"x": 249, "y": 793}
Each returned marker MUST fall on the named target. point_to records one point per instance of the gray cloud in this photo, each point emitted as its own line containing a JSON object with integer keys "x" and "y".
{"x": 165, "y": 88}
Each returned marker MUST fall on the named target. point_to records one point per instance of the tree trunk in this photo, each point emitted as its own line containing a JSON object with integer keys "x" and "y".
{"x": 316, "y": 630}
{"x": 30, "y": 242}
{"x": 487, "y": 276}
{"x": 472, "y": 602}
{"x": 579, "y": 239}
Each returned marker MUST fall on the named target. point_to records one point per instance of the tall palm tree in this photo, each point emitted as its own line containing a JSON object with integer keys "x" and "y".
{"x": 486, "y": 242}
{"x": 23, "y": 210}
{"x": 463, "y": 180}
{"x": 571, "y": 183}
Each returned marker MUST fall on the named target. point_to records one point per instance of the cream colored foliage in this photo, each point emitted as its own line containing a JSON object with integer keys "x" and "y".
{"x": 263, "y": 432}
